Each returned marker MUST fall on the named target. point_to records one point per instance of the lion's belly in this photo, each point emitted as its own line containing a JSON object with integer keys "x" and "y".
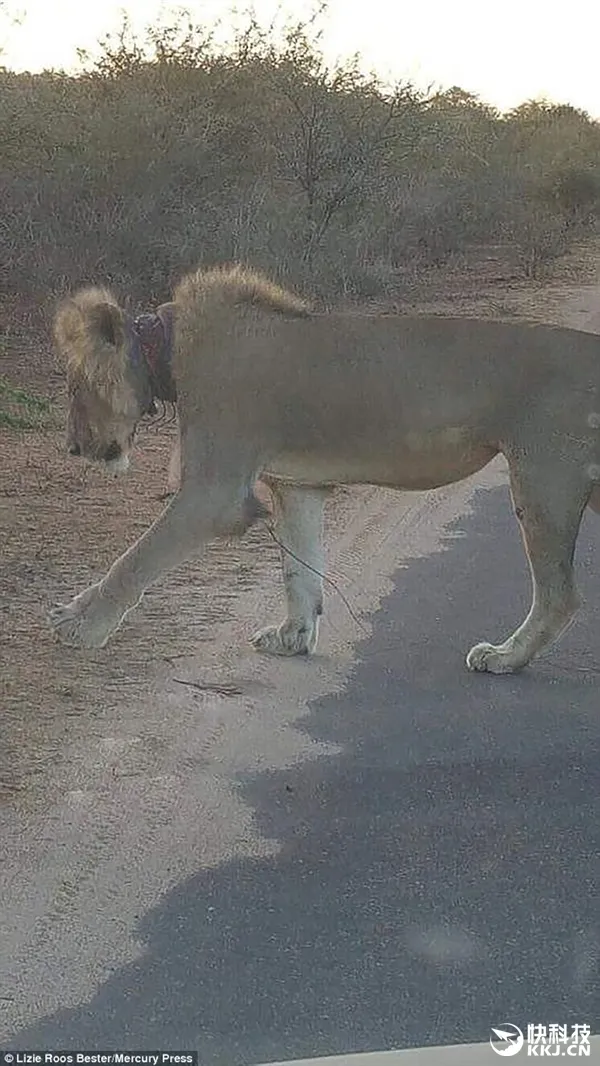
{"x": 419, "y": 461}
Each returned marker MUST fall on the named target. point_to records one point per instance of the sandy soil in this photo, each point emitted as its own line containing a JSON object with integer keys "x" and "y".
{"x": 117, "y": 767}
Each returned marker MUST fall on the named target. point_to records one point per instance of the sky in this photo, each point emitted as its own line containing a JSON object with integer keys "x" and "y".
{"x": 507, "y": 52}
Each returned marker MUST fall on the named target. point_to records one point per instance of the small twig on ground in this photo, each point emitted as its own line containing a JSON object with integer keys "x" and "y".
{"x": 209, "y": 686}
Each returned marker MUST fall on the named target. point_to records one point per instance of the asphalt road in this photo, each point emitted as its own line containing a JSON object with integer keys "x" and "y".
{"x": 436, "y": 877}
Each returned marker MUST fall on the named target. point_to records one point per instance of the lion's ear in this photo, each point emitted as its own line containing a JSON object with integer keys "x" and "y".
{"x": 89, "y": 320}
{"x": 90, "y": 330}
{"x": 105, "y": 359}
{"x": 105, "y": 322}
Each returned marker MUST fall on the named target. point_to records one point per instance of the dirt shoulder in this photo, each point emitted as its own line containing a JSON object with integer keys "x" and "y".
{"x": 118, "y": 767}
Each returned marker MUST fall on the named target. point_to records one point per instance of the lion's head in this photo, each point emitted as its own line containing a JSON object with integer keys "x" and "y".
{"x": 109, "y": 385}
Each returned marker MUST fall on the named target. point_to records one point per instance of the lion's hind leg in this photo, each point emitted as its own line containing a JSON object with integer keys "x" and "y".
{"x": 549, "y": 500}
{"x": 299, "y": 530}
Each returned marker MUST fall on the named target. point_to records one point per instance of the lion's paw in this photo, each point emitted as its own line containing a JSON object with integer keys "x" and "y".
{"x": 88, "y": 621}
{"x": 292, "y": 637}
{"x": 493, "y": 659}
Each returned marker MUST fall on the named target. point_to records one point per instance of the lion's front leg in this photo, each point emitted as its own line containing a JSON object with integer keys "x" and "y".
{"x": 299, "y": 528}
{"x": 89, "y": 620}
{"x": 191, "y": 518}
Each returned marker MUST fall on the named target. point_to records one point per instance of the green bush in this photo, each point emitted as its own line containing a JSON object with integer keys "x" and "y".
{"x": 20, "y": 409}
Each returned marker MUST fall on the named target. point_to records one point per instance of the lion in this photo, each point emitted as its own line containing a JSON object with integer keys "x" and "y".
{"x": 268, "y": 389}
